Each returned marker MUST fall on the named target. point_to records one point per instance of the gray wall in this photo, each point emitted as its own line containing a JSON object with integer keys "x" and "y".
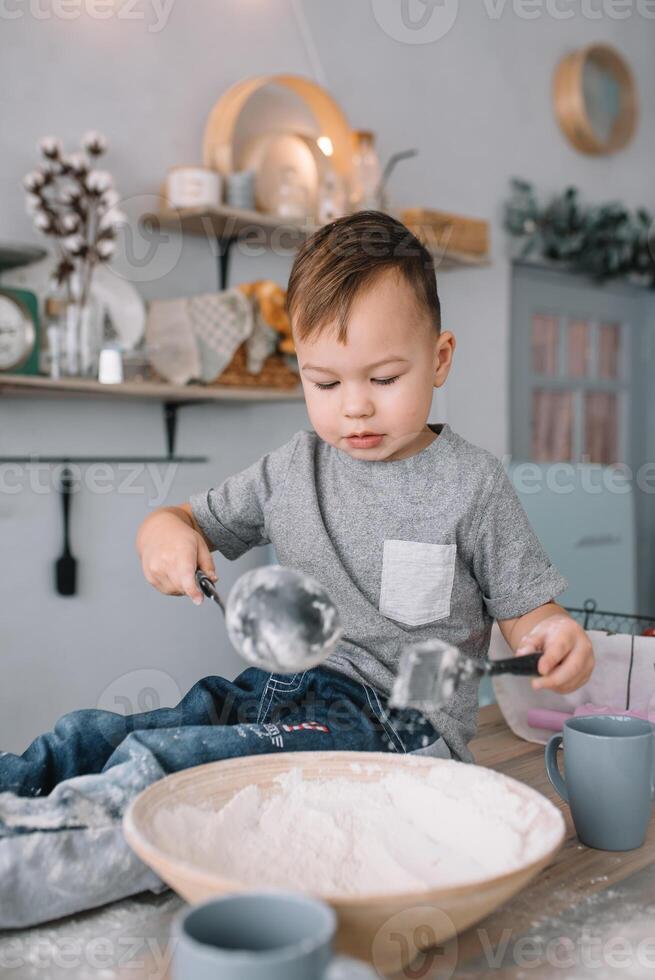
{"x": 477, "y": 105}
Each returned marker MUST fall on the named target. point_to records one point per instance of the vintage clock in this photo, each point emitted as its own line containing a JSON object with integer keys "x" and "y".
{"x": 19, "y": 331}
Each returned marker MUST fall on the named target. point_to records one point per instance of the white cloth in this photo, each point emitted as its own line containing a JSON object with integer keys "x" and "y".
{"x": 612, "y": 684}
{"x": 172, "y": 349}
{"x": 195, "y": 338}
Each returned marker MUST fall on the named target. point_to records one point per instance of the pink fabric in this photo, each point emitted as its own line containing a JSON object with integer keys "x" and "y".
{"x": 553, "y": 721}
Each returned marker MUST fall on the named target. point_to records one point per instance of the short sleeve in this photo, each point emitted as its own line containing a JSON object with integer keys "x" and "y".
{"x": 513, "y": 571}
{"x": 234, "y": 515}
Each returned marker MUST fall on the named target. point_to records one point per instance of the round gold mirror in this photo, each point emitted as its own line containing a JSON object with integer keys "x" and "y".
{"x": 595, "y": 99}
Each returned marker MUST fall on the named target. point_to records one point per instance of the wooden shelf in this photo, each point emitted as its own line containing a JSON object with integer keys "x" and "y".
{"x": 35, "y": 385}
{"x": 171, "y": 397}
{"x": 224, "y": 224}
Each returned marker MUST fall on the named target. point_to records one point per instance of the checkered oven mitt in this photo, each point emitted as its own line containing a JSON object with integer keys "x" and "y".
{"x": 220, "y": 323}
{"x": 196, "y": 338}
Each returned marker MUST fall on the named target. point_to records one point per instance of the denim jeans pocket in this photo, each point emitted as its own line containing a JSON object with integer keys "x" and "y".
{"x": 279, "y": 689}
{"x": 286, "y": 682}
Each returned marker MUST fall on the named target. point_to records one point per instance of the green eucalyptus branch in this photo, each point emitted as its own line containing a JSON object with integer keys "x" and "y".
{"x": 605, "y": 242}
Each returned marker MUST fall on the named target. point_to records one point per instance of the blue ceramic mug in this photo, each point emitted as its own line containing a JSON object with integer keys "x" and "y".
{"x": 254, "y": 936}
{"x": 609, "y": 778}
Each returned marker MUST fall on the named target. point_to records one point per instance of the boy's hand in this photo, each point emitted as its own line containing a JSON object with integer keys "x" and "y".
{"x": 171, "y": 550}
{"x": 568, "y": 657}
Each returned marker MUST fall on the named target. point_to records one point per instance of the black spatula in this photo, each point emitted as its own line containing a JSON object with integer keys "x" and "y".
{"x": 66, "y": 565}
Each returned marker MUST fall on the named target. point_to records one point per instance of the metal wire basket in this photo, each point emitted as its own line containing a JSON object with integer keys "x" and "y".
{"x": 592, "y": 618}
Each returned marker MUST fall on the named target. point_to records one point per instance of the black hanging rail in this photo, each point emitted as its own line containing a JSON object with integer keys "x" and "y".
{"x": 170, "y": 426}
{"x": 84, "y": 460}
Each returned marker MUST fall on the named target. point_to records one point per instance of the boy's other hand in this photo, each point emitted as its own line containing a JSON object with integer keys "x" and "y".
{"x": 171, "y": 550}
{"x": 568, "y": 657}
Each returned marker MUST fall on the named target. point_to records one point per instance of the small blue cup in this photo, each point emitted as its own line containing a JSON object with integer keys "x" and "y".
{"x": 609, "y": 778}
{"x": 254, "y": 936}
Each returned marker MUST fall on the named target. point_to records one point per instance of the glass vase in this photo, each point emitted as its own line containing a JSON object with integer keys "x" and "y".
{"x": 83, "y": 339}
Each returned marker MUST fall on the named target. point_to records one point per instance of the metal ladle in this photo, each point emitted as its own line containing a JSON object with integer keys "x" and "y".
{"x": 278, "y": 619}
{"x": 430, "y": 672}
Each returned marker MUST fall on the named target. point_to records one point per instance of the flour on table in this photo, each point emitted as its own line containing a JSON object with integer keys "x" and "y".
{"x": 337, "y": 836}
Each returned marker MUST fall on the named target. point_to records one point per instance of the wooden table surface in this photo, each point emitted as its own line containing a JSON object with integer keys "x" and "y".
{"x": 590, "y": 914}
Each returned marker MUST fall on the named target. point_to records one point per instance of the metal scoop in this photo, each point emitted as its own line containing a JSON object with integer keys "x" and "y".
{"x": 277, "y": 618}
{"x": 430, "y": 672}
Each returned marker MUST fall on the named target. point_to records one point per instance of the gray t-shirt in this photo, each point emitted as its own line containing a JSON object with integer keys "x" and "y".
{"x": 435, "y": 545}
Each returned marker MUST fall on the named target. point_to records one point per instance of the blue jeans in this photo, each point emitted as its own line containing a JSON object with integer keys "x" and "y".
{"x": 258, "y": 712}
{"x": 62, "y": 848}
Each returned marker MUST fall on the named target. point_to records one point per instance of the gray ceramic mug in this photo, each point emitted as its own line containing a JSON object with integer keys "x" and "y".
{"x": 254, "y": 936}
{"x": 609, "y": 778}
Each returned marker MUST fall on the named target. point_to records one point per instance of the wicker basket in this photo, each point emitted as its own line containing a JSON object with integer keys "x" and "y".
{"x": 275, "y": 373}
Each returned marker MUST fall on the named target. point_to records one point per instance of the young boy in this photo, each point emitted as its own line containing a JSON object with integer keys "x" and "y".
{"x": 414, "y": 532}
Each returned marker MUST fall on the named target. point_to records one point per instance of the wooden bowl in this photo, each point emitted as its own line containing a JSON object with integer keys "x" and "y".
{"x": 388, "y": 930}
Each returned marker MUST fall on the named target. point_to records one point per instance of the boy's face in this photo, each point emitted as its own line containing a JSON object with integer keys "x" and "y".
{"x": 389, "y": 337}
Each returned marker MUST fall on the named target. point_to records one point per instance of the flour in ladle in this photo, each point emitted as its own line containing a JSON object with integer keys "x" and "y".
{"x": 403, "y": 832}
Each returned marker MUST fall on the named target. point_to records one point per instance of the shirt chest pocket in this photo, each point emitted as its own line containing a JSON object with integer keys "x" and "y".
{"x": 417, "y": 581}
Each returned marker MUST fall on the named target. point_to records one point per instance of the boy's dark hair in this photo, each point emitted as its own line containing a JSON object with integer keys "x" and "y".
{"x": 346, "y": 256}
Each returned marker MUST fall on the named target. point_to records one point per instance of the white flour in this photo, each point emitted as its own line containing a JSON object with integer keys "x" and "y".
{"x": 440, "y": 826}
